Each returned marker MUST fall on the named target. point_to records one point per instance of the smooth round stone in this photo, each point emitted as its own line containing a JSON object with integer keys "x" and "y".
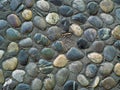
{"x": 56, "y": 2}
{"x": 47, "y": 53}
{"x": 98, "y": 46}
{"x": 108, "y": 83}
{"x": 76, "y": 67}
{"x": 1, "y": 53}
{"x": 106, "y": 68}
{"x": 95, "y": 21}
{"x": 27, "y": 27}
{"x": 10, "y": 64}
{"x": 22, "y": 86}
{"x": 95, "y": 57}
{"x": 29, "y": 3}
{"x": 52, "y": 18}
{"x": 91, "y": 70}
{"x": 2, "y": 79}
{"x": 116, "y": 32}
{"x": 39, "y": 22}
{"x": 41, "y": 39}
{"x": 18, "y": 75}
{"x": 13, "y": 34}
{"x": 79, "y": 5}
{"x": 74, "y": 54}
{"x": 104, "y": 33}
{"x": 27, "y": 42}
{"x": 23, "y": 57}
{"x": 54, "y": 33}
{"x": 13, "y": 47}
{"x": 60, "y": 61}
{"x": 2, "y": 40}
{"x": 90, "y": 34}
{"x": 76, "y": 29}
{"x": 70, "y": 85}
{"x": 107, "y": 18}
{"x": 92, "y": 8}
{"x": 45, "y": 67}
{"x": 62, "y": 76}
{"x": 43, "y": 5}
{"x": 66, "y": 11}
{"x": 117, "y": 69}
{"x": 80, "y": 18}
{"x": 107, "y": 5}
{"x": 82, "y": 43}
{"x": 82, "y": 80}
{"x": 14, "y": 20}
{"x": 109, "y": 53}
{"x": 36, "y": 84}
{"x": 117, "y": 44}
{"x": 27, "y": 14}
{"x": 3, "y": 24}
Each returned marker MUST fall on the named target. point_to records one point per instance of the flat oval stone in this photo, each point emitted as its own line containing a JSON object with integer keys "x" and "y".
{"x": 66, "y": 11}
{"x": 27, "y": 27}
{"x": 62, "y": 76}
{"x": 13, "y": 34}
{"x": 56, "y": 2}
{"x": 107, "y": 5}
{"x": 95, "y": 21}
{"x": 90, "y": 34}
{"x": 3, "y": 24}
{"x": 70, "y": 85}
{"x": 117, "y": 69}
{"x": 92, "y": 8}
{"x": 22, "y": 86}
{"x": 104, "y": 33}
{"x": 2, "y": 52}
{"x": 39, "y": 22}
{"x": 27, "y": 14}
{"x": 82, "y": 43}
{"x": 2, "y": 79}
{"x": 82, "y": 80}
{"x": 2, "y": 40}
{"x": 79, "y": 5}
{"x": 13, "y": 47}
{"x": 74, "y": 54}
{"x": 36, "y": 84}
{"x": 52, "y": 18}
{"x": 109, "y": 53}
{"x": 14, "y": 20}
{"x": 116, "y": 32}
{"x": 29, "y": 3}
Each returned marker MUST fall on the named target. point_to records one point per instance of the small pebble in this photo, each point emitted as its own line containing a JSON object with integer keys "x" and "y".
{"x": 82, "y": 43}
{"x": 2, "y": 79}
{"x": 36, "y": 84}
{"x": 29, "y": 3}
{"x": 13, "y": 47}
{"x": 1, "y": 53}
{"x": 116, "y": 32}
{"x": 117, "y": 69}
{"x": 3, "y": 24}
{"x": 22, "y": 86}
{"x": 27, "y": 14}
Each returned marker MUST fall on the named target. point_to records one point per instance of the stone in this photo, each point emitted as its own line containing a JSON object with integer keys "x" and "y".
{"x": 80, "y": 18}
{"x": 27, "y": 14}
{"x": 60, "y": 61}
{"x": 70, "y": 85}
{"x": 29, "y": 3}
{"x": 117, "y": 44}
{"x": 74, "y": 54}
{"x": 65, "y": 11}
{"x": 27, "y": 27}
{"x": 43, "y": 5}
{"x": 13, "y": 47}
{"x": 36, "y": 84}
{"x": 52, "y": 18}
{"x": 90, "y": 34}
{"x": 108, "y": 83}
{"x": 47, "y": 53}
{"x": 75, "y": 67}
{"x": 107, "y": 5}
{"x": 95, "y": 57}
{"x": 117, "y": 69}
{"x": 116, "y": 1}
{"x": 1, "y": 53}
{"x": 2, "y": 79}
{"x": 91, "y": 70}
{"x": 2, "y": 40}
{"x": 92, "y": 8}
{"x": 106, "y": 68}
{"x": 116, "y": 32}
{"x": 107, "y": 18}
{"x": 95, "y": 21}
{"x": 14, "y": 20}
{"x": 56, "y": 2}
{"x": 22, "y": 86}
{"x": 18, "y": 75}
{"x": 10, "y": 64}
{"x": 82, "y": 43}
{"x": 39, "y": 22}
{"x": 13, "y": 34}
{"x": 3, "y": 24}
{"x": 82, "y": 80}
{"x": 79, "y": 5}
{"x": 104, "y": 33}
{"x": 27, "y": 42}
{"x": 20, "y": 8}
{"x": 76, "y": 29}
{"x": 62, "y": 76}
{"x": 83, "y": 89}
{"x": 109, "y": 53}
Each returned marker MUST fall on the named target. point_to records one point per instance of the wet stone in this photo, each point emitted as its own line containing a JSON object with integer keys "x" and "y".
{"x": 27, "y": 14}
{"x": 2, "y": 79}
{"x": 36, "y": 84}
{"x": 29, "y": 3}
{"x": 1, "y": 53}
{"x": 109, "y": 53}
{"x": 56, "y": 2}
{"x": 82, "y": 43}
{"x": 3, "y": 24}
{"x": 2, "y": 40}
{"x": 22, "y": 86}
{"x": 116, "y": 32}
{"x": 117, "y": 69}
{"x": 74, "y": 54}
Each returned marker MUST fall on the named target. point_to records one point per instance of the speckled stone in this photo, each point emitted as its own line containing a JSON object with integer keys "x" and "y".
{"x": 27, "y": 14}
{"x": 117, "y": 69}
{"x": 36, "y": 84}
{"x": 29, "y": 3}
{"x": 13, "y": 47}
{"x": 82, "y": 43}
{"x": 22, "y": 86}
{"x": 116, "y": 32}
{"x": 2, "y": 79}
{"x": 3, "y": 24}
{"x": 1, "y": 53}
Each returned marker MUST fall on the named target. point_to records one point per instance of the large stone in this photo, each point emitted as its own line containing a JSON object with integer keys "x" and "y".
{"x": 27, "y": 14}
{"x": 13, "y": 47}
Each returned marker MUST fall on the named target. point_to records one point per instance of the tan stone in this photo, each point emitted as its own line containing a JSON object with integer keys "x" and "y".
{"x": 12, "y": 47}
{"x": 117, "y": 69}
{"x": 27, "y": 14}
{"x": 116, "y": 32}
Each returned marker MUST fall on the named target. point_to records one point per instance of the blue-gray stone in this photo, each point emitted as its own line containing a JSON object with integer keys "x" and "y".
{"x": 56, "y": 2}
{"x": 82, "y": 43}
{"x": 117, "y": 12}
{"x": 116, "y": 1}
{"x": 1, "y": 40}
{"x": 22, "y": 86}
{"x": 117, "y": 44}
{"x": 3, "y": 24}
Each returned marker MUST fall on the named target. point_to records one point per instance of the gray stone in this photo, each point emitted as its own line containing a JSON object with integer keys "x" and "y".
{"x": 22, "y": 86}
{"x": 36, "y": 84}
{"x": 3, "y": 24}
{"x": 14, "y": 4}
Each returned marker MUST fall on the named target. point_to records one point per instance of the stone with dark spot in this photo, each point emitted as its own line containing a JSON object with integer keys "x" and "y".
{"x": 82, "y": 43}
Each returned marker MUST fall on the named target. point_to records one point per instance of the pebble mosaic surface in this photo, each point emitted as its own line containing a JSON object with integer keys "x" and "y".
{"x": 59, "y": 44}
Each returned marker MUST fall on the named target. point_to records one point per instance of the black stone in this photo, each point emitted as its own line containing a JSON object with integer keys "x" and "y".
{"x": 56, "y": 2}
{"x": 82, "y": 43}
{"x": 23, "y": 86}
